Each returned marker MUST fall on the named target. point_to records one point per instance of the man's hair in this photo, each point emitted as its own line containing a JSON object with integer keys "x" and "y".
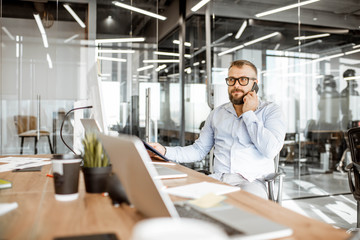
{"x": 241, "y": 63}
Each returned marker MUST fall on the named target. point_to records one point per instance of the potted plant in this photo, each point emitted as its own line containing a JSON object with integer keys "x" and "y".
{"x": 96, "y": 166}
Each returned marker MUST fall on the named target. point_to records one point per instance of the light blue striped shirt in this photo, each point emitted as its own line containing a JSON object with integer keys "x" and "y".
{"x": 246, "y": 144}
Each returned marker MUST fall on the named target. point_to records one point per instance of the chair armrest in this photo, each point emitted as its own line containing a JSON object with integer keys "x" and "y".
{"x": 273, "y": 176}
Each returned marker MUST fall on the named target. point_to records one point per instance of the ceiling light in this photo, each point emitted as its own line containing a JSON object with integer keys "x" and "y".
{"x": 161, "y": 61}
{"x": 312, "y": 36}
{"x": 112, "y": 59}
{"x": 356, "y": 46}
{"x": 161, "y": 67}
{"x": 231, "y": 50}
{"x": 74, "y": 15}
{"x": 119, "y": 40}
{"x": 262, "y": 38}
{"x": 145, "y": 68}
{"x": 249, "y": 43}
{"x": 185, "y": 43}
{"x": 351, "y": 78}
{"x": 328, "y": 57}
{"x": 285, "y": 8}
{"x": 241, "y": 30}
{"x": 196, "y": 64}
{"x": 8, "y": 33}
{"x": 115, "y": 51}
{"x": 48, "y": 58}
{"x": 171, "y": 54}
{"x": 41, "y": 29}
{"x": 351, "y": 52}
{"x": 199, "y": 5}
{"x": 135, "y": 9}
{"x": 277, "y": 46}
{"x": 71, "y": 38}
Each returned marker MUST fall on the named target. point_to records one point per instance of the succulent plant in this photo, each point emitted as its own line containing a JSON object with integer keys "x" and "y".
{"x": 94, "y": 154}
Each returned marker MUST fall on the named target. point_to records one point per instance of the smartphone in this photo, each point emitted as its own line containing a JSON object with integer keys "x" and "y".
{"x": 255, "y": 88}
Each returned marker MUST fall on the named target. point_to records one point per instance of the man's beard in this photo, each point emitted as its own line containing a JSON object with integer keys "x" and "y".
{"x": 237, "y": 101}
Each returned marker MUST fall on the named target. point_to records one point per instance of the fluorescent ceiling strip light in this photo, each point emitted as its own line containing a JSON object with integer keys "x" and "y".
{"x": 285, "y": 8}
{"x": 328, "y": 57}
{"x": 199, "y": 5}
{"x": 48, "y": 58}
{"x": 8, "y": 33}
{"x": 249, "y": 43}
{"x": 231, "y": 50}
{"x": 71, "y": 38}
{"x": 145, "y": 68}
{"x": 356, "y": 46}
{"x": 161, "y": 61}
{"x": 351, "y": 52}
{"x": 277, "y": 46}
{"x": 112, "y": 59}
{"x": 74, "y": 15}
{"x": 171, "y": 54}
{"x": 196, "y": 64}
{"x": 119, "y": 40}
{"x": 161, "y": 67}
{"x": 319, "y": 76}
{"x": 115, "y": 51}
{"x": 241, "y": 30}
{"x": 352, "y": 78}
{"x": 173, "y": 75}
{"x": 41, "y": 29}
{"x": 312, "y": 36}
{"x": 185, "y": 43}
{"x": 261, "y": 38}
{"x": 135, "y": 9}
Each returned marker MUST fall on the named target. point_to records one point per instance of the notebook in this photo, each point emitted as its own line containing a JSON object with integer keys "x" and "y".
{"x": 133, "y": 165}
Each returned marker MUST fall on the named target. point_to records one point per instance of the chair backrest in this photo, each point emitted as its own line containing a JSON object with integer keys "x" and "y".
{"x": 354, "y": 146}
{"x": 25, "y": 123}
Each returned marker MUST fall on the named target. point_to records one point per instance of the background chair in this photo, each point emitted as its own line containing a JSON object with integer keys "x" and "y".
{"x": 353, "y": 168}
{"x": 27, "y": 128}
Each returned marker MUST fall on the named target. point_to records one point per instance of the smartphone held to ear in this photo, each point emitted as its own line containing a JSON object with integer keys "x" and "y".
{"x": 255, "y": 88}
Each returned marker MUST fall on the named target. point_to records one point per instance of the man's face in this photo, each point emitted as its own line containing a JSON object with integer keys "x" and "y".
{"x": 237, "y": 92}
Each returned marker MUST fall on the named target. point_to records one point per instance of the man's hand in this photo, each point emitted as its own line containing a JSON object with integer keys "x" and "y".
{"x": 160, "y": 148}
{"x": 251, "y": 102}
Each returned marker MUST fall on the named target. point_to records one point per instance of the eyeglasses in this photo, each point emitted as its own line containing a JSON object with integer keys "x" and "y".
{"x": 243, "y": 81}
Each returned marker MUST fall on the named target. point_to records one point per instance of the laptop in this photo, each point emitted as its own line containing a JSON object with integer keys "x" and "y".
{"x": 90, "y": 125}
{"x": 138, "y": 175}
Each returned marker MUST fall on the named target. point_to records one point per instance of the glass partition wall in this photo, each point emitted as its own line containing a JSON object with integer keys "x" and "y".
{"x": 307, "y": 59}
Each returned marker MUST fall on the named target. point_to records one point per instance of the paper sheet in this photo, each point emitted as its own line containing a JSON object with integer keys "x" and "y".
{"x": 13, "y": 163}
{"x": 7, "y": 207}
{"x": 197, "y": 190}
{"x": 208, "y": 201}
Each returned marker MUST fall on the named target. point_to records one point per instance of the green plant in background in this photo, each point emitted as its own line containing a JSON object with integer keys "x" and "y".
{"x": 94, "y": 154}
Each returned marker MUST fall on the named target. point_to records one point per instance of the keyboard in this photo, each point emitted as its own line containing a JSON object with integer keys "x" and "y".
{"x": 187, "y": 211}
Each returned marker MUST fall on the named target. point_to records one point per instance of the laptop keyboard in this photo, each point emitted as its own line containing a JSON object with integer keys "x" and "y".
{"x": 189, "y": 212}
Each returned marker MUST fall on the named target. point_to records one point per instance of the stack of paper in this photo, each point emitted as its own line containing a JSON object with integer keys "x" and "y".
{"x": 13, "y": 163}
{"x": 197, "y": 190}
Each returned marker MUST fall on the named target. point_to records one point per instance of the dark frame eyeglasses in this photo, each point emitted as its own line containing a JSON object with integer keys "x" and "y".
{"x": 243, "y": 81}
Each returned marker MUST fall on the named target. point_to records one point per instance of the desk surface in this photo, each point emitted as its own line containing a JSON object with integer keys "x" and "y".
{"x": 40, "y": 216}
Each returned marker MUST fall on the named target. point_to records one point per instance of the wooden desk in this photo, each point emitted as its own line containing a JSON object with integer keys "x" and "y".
{"x": 40, "y": 216}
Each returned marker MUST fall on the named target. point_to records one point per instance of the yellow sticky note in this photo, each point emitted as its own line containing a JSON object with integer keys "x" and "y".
{"x": 207, "y": 201}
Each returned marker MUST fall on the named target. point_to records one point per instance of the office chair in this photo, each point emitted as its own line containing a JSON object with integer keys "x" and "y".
{"x": 26, "y": 128}
{"x": 272, "y": 178}
{"x": 354, "y": 167}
